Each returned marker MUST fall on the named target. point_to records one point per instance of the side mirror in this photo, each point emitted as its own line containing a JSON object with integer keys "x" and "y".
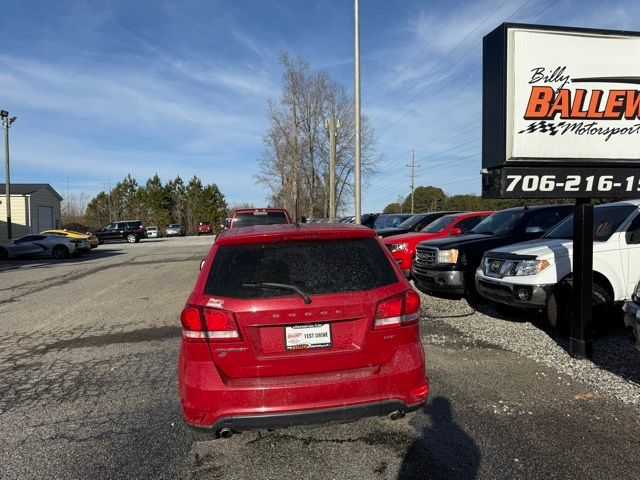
{"x": 456, "y": 231}
{"x": 533, "y": 230}
{"x": 202, "y": 264}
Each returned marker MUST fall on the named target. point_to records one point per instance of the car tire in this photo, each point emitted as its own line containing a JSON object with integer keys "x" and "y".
{"x": 559, "y": 306}
{"x": 60, "y": 251}
{"x": 131, "y": 238}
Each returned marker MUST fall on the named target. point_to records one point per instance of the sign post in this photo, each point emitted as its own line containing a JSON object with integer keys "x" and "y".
{"x": 561, "y": 119}
{"x": 579, "y": 343}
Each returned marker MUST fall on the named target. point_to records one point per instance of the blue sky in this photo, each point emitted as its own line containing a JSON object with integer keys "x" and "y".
{"x": 106, "y": 88}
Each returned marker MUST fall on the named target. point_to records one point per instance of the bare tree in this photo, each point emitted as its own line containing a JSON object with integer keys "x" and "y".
{"x": 73, "y": 207}
{"x": 295, "y": 163}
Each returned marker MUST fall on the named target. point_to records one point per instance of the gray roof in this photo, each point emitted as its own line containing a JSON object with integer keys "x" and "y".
{"x": 27, "y": 188}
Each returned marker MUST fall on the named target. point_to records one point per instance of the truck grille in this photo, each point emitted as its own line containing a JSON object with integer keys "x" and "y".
{"x": 426, "y": 256}
{"x": 499, "y": 267}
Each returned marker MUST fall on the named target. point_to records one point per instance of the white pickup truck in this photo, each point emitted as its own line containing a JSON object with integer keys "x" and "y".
{"x": 537, "y": 274}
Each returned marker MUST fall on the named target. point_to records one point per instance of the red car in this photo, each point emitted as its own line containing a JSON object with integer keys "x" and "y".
{"x": 204, "y": 228}
{"x": 403, "y": 247}
{"x": 295, "y": 325}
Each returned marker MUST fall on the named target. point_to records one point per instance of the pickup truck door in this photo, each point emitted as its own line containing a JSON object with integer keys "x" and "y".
{"x": 630, "y": 249}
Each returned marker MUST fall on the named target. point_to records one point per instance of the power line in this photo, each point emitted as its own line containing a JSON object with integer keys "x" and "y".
{"x": 452, "y": 66}
{"x": 449, "y": 53}
{"x": 422, "y": 50}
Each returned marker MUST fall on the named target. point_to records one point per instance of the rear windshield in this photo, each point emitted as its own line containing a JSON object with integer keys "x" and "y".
{"x": 249, "y": 219}
{"x": 606, "y": 220}
{"x": 438, "y": 225}
{"x": 316, "y": 267}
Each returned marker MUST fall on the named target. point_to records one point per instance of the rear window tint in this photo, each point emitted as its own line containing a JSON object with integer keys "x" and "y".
{"x": 248, "y": 219}
{"x": 316, "y": 267}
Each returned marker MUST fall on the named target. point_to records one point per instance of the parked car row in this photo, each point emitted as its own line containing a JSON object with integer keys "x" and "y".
{"x": 262, "y": 302}
{"x": 523, "y": 257}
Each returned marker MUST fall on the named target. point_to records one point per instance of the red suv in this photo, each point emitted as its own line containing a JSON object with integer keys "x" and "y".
{"x": 295, "y": 325}
{"x": 403, "y": 247}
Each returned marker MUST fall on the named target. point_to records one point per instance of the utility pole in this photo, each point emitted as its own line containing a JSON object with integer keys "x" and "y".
{"x": 6, "y": 123}
{"x": 295, "y": 156}
{"x": 413, "y": 166}
{"x": 356, "y": 96}
{"x": 332, "y": 167}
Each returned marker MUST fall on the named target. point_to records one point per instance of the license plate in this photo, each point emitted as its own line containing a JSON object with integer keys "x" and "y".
{"x": 308, "y": 336}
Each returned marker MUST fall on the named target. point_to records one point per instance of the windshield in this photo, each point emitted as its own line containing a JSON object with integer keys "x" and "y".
{"x": 500, "y": 223}
{"x": 606, "y": 220}
{"x": 411, "y": 221}
{"x": 347, "y": 265}
{"x": 438, "y": 225}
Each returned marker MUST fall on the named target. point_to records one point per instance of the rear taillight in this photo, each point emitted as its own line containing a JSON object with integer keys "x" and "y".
{"x": 208, "y": 324}
{"x": 397, "y": 311}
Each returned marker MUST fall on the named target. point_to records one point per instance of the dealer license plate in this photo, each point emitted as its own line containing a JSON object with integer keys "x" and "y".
{"x": 308, "y": 336}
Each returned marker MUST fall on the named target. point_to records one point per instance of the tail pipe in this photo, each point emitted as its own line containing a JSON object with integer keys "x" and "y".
{"x": 397, "y": 415}
{"x": 225, "y": 433}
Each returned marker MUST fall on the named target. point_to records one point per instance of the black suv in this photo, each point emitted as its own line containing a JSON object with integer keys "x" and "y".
{"x": 130, "y": 230}
{"x": 446, "y": 266}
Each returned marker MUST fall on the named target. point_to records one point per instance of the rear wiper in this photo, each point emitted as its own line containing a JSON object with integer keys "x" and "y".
{"x": 279, "y": 286}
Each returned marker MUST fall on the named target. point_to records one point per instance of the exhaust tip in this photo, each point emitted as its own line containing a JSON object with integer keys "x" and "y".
{"x": 397, "y": 415}
{"x": 225, "y": 433}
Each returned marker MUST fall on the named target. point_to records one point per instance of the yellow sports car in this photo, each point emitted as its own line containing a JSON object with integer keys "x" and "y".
{"x": 93, "y": 240}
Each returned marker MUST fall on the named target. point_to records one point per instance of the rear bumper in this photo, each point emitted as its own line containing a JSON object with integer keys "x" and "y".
{"x": 210, "y": 401}
{"x": 312, "y": 417}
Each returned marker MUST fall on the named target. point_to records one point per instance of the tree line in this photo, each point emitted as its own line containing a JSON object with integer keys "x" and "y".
{"x": 429, "y": 199}
{"x": 158, "y": 204}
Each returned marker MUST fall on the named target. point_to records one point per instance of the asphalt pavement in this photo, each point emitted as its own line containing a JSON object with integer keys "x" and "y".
{"x": 88, "y": 352}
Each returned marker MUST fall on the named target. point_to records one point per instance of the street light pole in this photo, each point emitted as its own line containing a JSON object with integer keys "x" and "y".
{"x": 356, "y": 182}
{"x": 6, "y": 123}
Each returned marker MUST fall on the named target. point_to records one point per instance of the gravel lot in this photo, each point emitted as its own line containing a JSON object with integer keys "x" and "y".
{"x": 614, "y": 368}
{"x": 88, "y": 389}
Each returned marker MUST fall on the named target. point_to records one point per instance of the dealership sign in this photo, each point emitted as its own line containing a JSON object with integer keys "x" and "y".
{"x": 561, "y": 112}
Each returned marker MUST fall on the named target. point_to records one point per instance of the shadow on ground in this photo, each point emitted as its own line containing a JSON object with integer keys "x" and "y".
{"x": 40, "y": 262}
{"x": 612, "y": 348}
{"x": 443, "y": 450}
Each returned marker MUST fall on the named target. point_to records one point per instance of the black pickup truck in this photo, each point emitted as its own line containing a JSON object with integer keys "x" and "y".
{"x": 446, "y": 267}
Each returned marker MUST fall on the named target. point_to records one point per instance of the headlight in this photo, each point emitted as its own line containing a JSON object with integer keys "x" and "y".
{"x": 448, "y": 256}
{"x": 398, "y": 247}
{"x": 531, "y": 267}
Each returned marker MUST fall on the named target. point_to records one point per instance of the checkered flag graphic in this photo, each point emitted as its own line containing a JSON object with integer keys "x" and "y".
{"x": 543, "y": 127}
